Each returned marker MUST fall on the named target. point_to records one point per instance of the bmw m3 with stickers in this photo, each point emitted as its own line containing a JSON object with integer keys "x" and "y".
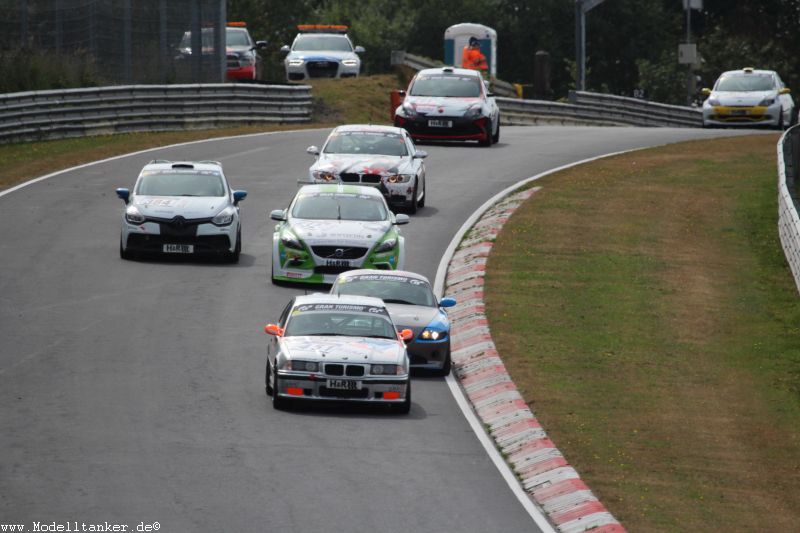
{"x": 342, "y": 348}
{"x": 329, "y": 229}
{"x": 181, "y": 208}
{"x": 747, "y": 98}
{"x": 452, "y": 104}
{"x": 412, "y": 305}
{"x": 378, "y": 156}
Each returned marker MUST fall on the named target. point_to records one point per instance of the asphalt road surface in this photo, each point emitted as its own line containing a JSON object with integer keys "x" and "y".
{"x": 133, "y": 392}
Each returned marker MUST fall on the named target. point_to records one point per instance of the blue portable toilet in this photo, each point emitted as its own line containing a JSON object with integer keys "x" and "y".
{"x": 457, "y": 36}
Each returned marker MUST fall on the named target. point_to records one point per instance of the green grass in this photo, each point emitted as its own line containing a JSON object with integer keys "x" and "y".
{"x": 643, "y": 305}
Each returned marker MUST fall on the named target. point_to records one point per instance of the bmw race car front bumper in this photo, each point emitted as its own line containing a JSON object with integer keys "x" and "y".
{"x": 367, "y": 389}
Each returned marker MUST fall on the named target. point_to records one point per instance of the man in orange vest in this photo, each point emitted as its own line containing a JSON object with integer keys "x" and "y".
{"x": 472, "y": 58}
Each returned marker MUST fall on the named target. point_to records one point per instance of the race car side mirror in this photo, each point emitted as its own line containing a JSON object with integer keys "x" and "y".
{"x": 124, "y": 194}
{"x": 705, "y": 91}
{"x": 278, "y": 214}
{"x": 401, "y": 219}
{"x": 285, "y": 49}
{"x": 313, "y": 150}
{"x": 420, "y": 154}
{"x": 785, "y": 90}
{"x": 273, "y": 329}
{"x": 447, "y": 302}
{"x": 406, "y": 335}
{"x": 359, "y": 50}
{"x": 238, "y": 196}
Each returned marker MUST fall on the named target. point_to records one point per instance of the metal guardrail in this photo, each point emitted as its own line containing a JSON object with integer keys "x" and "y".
{"x": 788, "y": 219}
{"x": 640, "y": 112}
{"x": 58, "y": 114}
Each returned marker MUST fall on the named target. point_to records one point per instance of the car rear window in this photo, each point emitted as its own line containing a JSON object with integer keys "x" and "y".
{"x": 365, "y": 142}
{"x": 390, "y": 289}
{"x": 339, "y": 207}
{"x": 180, "y": 183}
{"x": 455, "y": 86}
{"x": 322, "y": 43}
{"x": 745, "y": 82}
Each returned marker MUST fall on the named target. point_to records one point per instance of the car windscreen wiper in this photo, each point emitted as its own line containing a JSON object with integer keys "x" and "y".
{"x": 393, "y": 301}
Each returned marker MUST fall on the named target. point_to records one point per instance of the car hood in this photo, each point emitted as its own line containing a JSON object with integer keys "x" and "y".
{"x": 414, "y": 317}
{"x": 322, "y": 56}
{"x": 451, "y": 106}
{"x": 359, "y": 164}
{"x": 349, "y": 349}
{"x": 742, "y": 98}
{"x": 339, "y": 232}
{"x": 186, "y": 206}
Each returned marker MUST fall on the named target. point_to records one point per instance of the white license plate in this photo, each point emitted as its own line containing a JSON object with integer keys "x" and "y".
{"x": 440, "y": 123}
{"x": 343, "y": 384}
{"x": 337, "y": 263}
{"x": 178, "y": 248}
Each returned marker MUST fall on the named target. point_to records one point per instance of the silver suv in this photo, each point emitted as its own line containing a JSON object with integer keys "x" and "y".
{"x": 321, "y": 51}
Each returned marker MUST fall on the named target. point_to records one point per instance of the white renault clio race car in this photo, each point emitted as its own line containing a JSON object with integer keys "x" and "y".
{"x": 184, "y": 208}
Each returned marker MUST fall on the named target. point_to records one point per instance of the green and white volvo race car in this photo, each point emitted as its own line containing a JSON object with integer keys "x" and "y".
{"x": 329, "y": 229}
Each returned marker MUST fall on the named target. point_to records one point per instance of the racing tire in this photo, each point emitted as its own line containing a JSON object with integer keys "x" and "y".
{"x": 405, "y": 407}
{"x": 233, "y": 257}
{"x": 278, "y": 403}
{"x": 414, "y": 205}
{"x": 446, "y": 366}
{"x": 496, "y": 136}
{"x": 781, "y": 126}
{"x": 424, "y": 195}
{"x": 486, "y": 143}
{"x": 268, "y": 380}
{"x": 125, "y": 254}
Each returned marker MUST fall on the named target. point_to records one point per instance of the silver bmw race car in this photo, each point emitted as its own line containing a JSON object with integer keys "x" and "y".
{"x": 184, "y": 208}
{"x": 329, "y": 229}
{"x": 327, "y": 347}
{"x": 379, "y": 156}
{"x": 412, "y": 305}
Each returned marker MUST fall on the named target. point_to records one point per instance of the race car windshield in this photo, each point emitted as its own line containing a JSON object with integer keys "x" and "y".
{"x": 232, "y": 38}
{"x": 322, "y": 43}
{"x": 339, "y": 207}
{"x": 455, "y": 86}
{"x": 366, "y": 143}
{"x": 339, "y": 324}
{"x": 180, "y": 184}
{"x": 745, "y": 83}
{"x": 405, "y": 291}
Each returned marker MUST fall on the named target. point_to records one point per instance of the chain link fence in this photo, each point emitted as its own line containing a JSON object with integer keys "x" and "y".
{"x": 128, "y": 41}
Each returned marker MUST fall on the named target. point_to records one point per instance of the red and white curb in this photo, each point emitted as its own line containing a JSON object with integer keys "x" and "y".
{"x": 540, "y": 468}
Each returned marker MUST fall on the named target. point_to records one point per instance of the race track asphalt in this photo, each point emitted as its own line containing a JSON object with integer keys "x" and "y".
{"x": 133, "y": 391}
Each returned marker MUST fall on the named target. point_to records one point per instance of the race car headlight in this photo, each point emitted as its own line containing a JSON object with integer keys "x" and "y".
{"x": 350, "y": 62}
{"x": 290, "y": 241}
{"x": 767, "y": 101}
{"x": 473, "y": 112}
{"x": 324, "y": 175}
{"x": 302, "y": 366}
{"x": 384, "y": 370}
{"x": 714, "y": 102}
{"x": 386, "y": 245}
{"x": 224, "y": 217}
{"x": 133, "y": 216}
{"x": 408, "y": 110}
{"x": 295, "y": 62}
{"x": 400, "y": 178}
{"x": 432, "y": 335}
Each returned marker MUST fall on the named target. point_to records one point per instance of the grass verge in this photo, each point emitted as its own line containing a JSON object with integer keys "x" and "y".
{"x": 643, "y": 306}
{"x": 334, "y": 104}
